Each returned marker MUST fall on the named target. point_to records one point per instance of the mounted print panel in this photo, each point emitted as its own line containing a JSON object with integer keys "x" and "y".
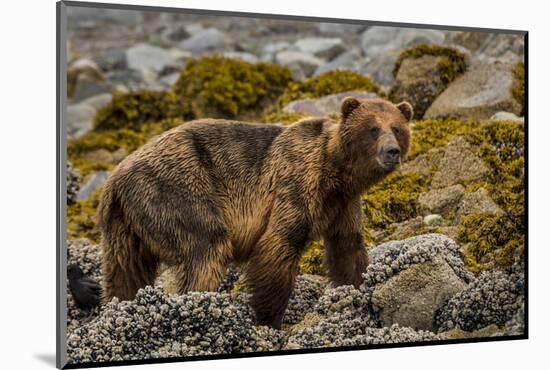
{"x": 254, "y": 184}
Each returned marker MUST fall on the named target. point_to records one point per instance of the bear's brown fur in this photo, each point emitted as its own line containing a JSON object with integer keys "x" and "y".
{"x": 211, "y": 192}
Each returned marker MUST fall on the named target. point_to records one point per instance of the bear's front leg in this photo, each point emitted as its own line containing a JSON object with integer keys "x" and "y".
{"x": 345, "y": 252}
{"x": 271, "y": 272}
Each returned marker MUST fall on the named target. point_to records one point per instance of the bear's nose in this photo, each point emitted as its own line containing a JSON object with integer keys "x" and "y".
{"x": 392, "y": 152}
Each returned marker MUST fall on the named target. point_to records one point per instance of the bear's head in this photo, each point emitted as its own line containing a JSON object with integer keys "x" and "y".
{"x": 376, "y": 135}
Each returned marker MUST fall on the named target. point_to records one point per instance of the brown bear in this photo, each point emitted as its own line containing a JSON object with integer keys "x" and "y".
{"x": 211, "y": 192}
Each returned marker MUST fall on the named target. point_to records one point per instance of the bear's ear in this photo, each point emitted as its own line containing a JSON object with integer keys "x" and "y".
{"x": 349, "y": 104}
{"x": 406, "y": 110}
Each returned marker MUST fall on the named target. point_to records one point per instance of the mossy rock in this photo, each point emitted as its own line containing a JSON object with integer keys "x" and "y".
{"x": 453, "y": 64}
{"x": 518, "y": 89}
{"x": 328, "y": 83}
{"x": 394, "y": 200}
{"x": 433, "y": 133}
{"x": 230, "y": 88}
{"x": 133, "y": 110}
{"x": 112, "y": 140}
{"x": 81, "y": 218}
{"x": 423, "y": 72}
{"x": 497, "y": 239}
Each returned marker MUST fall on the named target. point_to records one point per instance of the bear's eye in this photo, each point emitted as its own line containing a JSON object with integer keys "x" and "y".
{"x": 374, "y": 131}
{"x": 396, "y": 130}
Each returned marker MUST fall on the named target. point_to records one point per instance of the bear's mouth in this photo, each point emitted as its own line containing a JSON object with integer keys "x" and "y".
{"x": 388, "y": 165}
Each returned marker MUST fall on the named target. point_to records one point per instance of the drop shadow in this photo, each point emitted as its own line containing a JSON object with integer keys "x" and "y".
{"x": 47, "y": 358}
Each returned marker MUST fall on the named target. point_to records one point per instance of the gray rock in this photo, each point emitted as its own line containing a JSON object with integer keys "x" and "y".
{"x": 170, "y": 79}
{"x": 412, "y": 297}
{"x": 410, "y": 280}
{"x": 143, "y": 56}
{"x": 377, "y": 40}
{"x": 205, "y": 40}
{"x": 459, "y": 165}
{"x": 98, "y": 101}
{"x": 477, "y": 202}
{"x": 478, "y": 94}
{"x": 275, "y": 47}
{"x": 442, "y": 201}
{"x": 348, "y": 60}
{"x": 80, "y": 119}
{"x": 247, "y": 57}
{"x": 425, "y": 163}
{"x": 307, "y": 62}
{"x": 325, "y": 48}
{"x": 432, "y": 220}
{"x": 112, "y": 59}
{"x": 324, "y": 106}
{"x": 494, "y": 298}
{"x": 94, "y": 181}
{"x": 506, "y": 116}
{"x": 380, "y": 67}
{"x": 84, "y": 79}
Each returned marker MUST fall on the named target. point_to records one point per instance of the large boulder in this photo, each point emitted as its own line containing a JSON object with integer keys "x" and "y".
{"x": 459, "y": 165}
{"x": 477, "y": 202}
{"x": 327, "y": 105}
{"x": 380, "y": 67}
{"x": 410, "y": 280}
{"x": 85, "y": 79}
{"x": 478, "y": 94}
{"x": 423, "y": 72}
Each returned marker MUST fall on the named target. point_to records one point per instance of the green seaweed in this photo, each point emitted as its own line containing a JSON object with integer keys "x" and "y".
{"x": 81, "y": 218}
{"x": 230, "y": 88}
{"x": 332, "y": 82}
{"x": 312, "y": 260}
{"x": 133, "y": 110}
{"x": 518, "y": 87}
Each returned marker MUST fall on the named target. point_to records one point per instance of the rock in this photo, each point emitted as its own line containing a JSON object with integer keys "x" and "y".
{"x": 478, "y": 94}
{"x": 327, "y": 105}
{"x": 307, "y": 62}
{"x": 247, "y": 57}
{"x": 143, "y": 56}
{"x": 432, "y": 220}
{"x": 504, "y": 48}
{"x": 98, "y": 101}
{"x": 347, "y": 60}
{"x": 73, "y": 183}
{"x": 477, "y": 202}
{"x": 325, "y": 48}
{"x": 80, "y": 119}
{"x": 399, "y": 230}
{"x": 419, "y": 82}
{"x": 339, "y": 29}
{"x": 486, "y": 332}
{"x": 112, "y": 59}
{"x": 423, "y": 164}
{"x": 459, "y": 165}
{"x": 412, "y": 297}
{"x": 443, "y": 201}
{"x": 377, "y": 40}
{"x": 410, "y": 280}
{"x": 95, "y": 181}
{"x": 276, "y": 47}
{"x": 506, "y": 116}
{"x": 380, "y": 67}
{"x": 84, "y": 79}
{"x": 494, "y": 298}
{"x": 170, "y": 79}
{"x": 307, "y": 291}
{"x": 205, "y": 40}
